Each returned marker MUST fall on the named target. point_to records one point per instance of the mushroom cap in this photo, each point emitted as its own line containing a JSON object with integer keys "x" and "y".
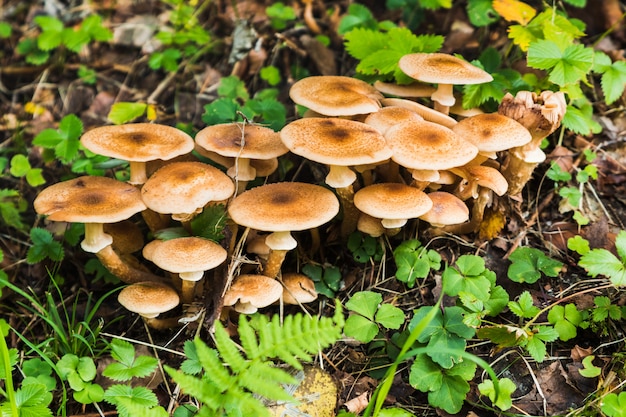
{"x": 392, "y": 200}
{"x": 335, "y": 95}
{"x": 241, "y": 140}
{"x": 447, "y": 209}
{"x": 485, "y": 176}
{"x": 335, "y": 141}
{"x": 428, "y": 146}
{"x": 370, "y": 225}
{"x": 185, "y": 254}
{"x": 89, "y": 199}
{"x": 257, "y": 290}
{"x": 442, "y": 69}
{"x": 184, "y": 187}
{"x": 492, "y": 132}
{"x": 428, "y": 114}
{"x": 284, "y": 206}
{"x": 148, "y": 299}
{"x": 139, "y": 142}
{"x": 408, "y": 90}
{"x": 386, "y": 117}
{"x": 298, "y": 289}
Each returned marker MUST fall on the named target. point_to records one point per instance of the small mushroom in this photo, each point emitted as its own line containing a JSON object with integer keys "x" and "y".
{"x": 393, "y": 202}
{"x": 189, "y": 257}
{"x": 250, "y": 292}
{"x": 335, "y": 95}
{"x": 149, "y": 300}
{"x": 444, "y": 70}
{"x": 182, "y": 189}
{"x": 298, "y": 289}
{"x": 447, "y": 209}
{"x": 280, "y": 208}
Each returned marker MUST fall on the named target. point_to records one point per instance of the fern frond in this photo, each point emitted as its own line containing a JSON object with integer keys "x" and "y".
{"x": 202, "y": 389}
{"x": 248, "y": 339}
{"x": 212, "y": 365}
{"x": 265, "y": 379}
{"x": 228, "y": 349}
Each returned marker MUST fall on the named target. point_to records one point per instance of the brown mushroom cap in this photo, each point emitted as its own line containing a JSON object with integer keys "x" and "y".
{"x": 483, "y": 176}
{"x": 138, "y": 143}
{"x": 89, "y": 199}
{"x": 442, "y": 68}
{"x": 386, "y": 117}
{"x": 148, "y": 299}
{"x": 284, "y": 206}
{"x": 492, "y": 132}
{"x": 335, "y": 95}
{"x": 428, "y": 114}
{"x": 184, "y": 188}
{"x": 335, "y": 142}
{"x": 251, "y": 292}
{"x": 187, "y": 256}
{"x": 299, "y": 289}
{"x": 394, "y": 203}
{"x": 447, "y": 210}
{"x": 93, "y": 201}
{"x": 428, "y": 146}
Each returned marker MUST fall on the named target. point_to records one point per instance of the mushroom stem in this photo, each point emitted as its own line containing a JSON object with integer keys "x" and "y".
{"x": 95, "y": 238}
{"x": 443, "y": 98}
{"x": 274, "y": 262}
{"x": 138, "y": 174}
{"x": 485, "y": 197}
{"x": 162, "y": 324}
{"x": 123, "y": 270}
{"x": 350, "y": 212}
{"x": 187, "y": 291}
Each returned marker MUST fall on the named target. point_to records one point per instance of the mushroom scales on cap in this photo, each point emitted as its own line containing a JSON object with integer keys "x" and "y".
{"x": 184, "y": 188}
{"x": 335, "y": 95}
{"x": 93, "y": 201}
{"x": 138, "y": 143}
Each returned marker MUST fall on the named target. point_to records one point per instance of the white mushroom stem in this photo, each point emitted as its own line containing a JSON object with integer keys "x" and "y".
{"x": 279, "y": 243}
{"x": 138, "y": 174}
{"x": 443, "y": 98}
{"x": 188, "y": 285}
{"x": 242, "y": 172}
{"x": 393, "y": 223}
{"x": 95, "y": 238}
{"x": 123, "y": 269}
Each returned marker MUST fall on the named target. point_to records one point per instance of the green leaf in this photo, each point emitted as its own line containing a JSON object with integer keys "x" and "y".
{"x": 528, "y": 264}
{"x": 5, "y": 30}
{"x": 271, "y": 74}
{"x": 565, "y": 320}
{"x": 91, "y": 393}
{"x": 358, "y": 16}
{"x": 425, "y": 375}
{"x": 44, "y": 246}
{"x": 481, "y": 12}
{"x": 19, "y": 165}
{"x": 139, "y": 396}
{"x": 506, "y": 387}
{"x": 580, "y": 119}
{"x": 360, "y": 328}
{"x": 578, "y": 244}
{"x": 127, "y": 366}
{"x": 441, "y": 343}
{"x": 124, "y": 112}
{"x": 191, "y": 365}
{"x": 565, "y": 67}
{"x": 365, "y": 303}
{"x": 389, "y": 316}
{"x": 602, "y": 262}
{"x": 614, "y": 405}
{"x": 589, "y": 370}
{"x": 524, "y": 307}
{"x": 613, "y": 82}
{"x": 451, "y": 395}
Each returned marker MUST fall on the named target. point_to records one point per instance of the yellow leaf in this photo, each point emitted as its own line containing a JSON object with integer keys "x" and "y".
{"x": 34, "y": 109}
{"x": 151, "y": 112}
{"x": 514, "y": 11}
{"x": 492, "y": 224}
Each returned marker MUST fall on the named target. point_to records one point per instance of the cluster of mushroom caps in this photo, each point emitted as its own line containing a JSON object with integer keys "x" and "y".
{"x": 389, "y": 159}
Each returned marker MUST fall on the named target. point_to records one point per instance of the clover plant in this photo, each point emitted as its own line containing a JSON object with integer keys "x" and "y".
{"x": 370, "y": 313}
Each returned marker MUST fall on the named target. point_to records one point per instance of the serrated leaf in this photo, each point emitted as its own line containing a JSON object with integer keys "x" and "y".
{"x": 441, "y": 343}
{"x": 451, "y": 395}
{"x": 425, "y": 375}
{"x": 524, "y": 307}
{"x": 565, "y": 67}
{"x": 504, "y": 336}
{"x": 361, "y": 42}
{"x": 602, "y": 262}
{"x": 536, "y": 348}
{"x": 44, "y": 246}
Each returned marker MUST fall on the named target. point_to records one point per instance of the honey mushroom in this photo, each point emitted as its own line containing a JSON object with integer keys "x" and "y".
{"x": 281, "y": 208}
{"x": 149, "y": 300}
{"x": 94, "y": 201}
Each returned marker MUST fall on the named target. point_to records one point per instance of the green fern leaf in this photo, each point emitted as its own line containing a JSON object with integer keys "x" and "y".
{"x": 228, "y": 350}
{"x": 248, "y": 339}
{"x": 265, "y": 379}
{"x": 212, "y": 365}
{"x": 203, "y": 390}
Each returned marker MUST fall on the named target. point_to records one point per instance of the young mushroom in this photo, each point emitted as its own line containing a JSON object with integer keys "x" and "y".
{"x": 182, "y": 189}
{"x": 335, "y": 95}
{"x": 94, "y": 201}
{"x": 447, "y": 209}
{"x": 281, "y": 208}
{"x": 138, "y": 143}
{"x": 243, "y": 142}
{"x": 250, "y": 292}
{"x": 150, "y": 299}
{"x": 189, "y": 257}
{"x": 298, "y": 289}
{"x": 444, "y": 70}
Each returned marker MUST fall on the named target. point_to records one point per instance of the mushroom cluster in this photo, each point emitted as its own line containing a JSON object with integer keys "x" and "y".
{"x": 387, "y": 160}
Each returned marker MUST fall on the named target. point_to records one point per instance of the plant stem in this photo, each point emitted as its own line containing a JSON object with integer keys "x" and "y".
{"x": 8, "y": 380}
